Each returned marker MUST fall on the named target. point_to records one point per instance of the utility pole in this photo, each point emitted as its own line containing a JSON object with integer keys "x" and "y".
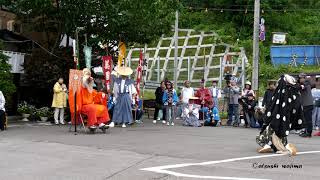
{"x": 176, "y": 35}
{"x": 77, "y": 48}
{"x": 255, "y": 72}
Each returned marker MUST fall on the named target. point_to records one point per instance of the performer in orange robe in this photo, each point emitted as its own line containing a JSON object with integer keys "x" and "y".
{"x": 92, "y": 103}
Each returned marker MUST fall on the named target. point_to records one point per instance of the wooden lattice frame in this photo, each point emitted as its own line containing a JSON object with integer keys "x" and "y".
{"x": 237, "y": 65}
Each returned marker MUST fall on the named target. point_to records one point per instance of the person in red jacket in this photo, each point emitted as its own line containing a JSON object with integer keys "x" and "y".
{"x": 205, "y": 100}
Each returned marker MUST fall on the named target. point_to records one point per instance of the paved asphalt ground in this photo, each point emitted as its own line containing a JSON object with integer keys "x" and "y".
{"x": 38, "y": 152}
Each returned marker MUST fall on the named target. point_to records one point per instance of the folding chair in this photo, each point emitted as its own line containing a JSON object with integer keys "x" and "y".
{"x": 82, "y": 123}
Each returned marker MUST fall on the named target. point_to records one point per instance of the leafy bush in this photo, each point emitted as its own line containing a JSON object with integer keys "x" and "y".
{"x": 43, "y": 112}
{"x": 25, "y": 108}
{"x": 6, "y": 80}
{"x": 269, "y": 72}
{"x": 223, "y": 115}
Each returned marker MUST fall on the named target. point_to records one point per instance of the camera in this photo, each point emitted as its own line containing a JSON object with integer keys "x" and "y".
{"x": 227, "y": 77}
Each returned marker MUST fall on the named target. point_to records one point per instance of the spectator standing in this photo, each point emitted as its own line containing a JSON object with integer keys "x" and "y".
{"x": 159, "y": 112}
{"x": 216, "y": 93}
{"x": 2, "y": 111}
{"x": 59, "y": 101}
{"x": 186, "y": 93}
{"x": 137, "y": 111}
{"x": 170, "y": 100}
{"x": 232, "y": 93}
{"x": 267, "y": 98}
{"x": 316, "y": 110}
{"x": 307, "y": 103}
{"x": 110, "y": 105}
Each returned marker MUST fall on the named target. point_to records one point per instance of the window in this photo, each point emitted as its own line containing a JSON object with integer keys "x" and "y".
{"x": 10, "y": 25}
{"x": 17, "y": 28}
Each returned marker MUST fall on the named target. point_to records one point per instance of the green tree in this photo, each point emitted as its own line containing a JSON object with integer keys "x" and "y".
{"x": 107, "y": 21}
{"x": 134, "y": 21}
{"x": 6, "y": 79}
{"x": 49, "y": 68}
{"x": 233, "y": 21}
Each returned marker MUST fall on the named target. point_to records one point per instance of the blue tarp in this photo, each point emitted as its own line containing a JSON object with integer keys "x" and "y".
{"x": 283, "y": 55}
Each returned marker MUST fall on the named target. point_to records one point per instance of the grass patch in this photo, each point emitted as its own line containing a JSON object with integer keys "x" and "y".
{"x": 182, "y": 33}
{"x": 193, "y": 41}
{"x": 214, "y": 73}
{"x": 149, "y": 94}
{"x": 220, "y": 49}
{"x": 181, "y": 42}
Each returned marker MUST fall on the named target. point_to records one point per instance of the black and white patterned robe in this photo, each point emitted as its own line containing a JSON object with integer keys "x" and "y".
{"x": 283, "y": 113}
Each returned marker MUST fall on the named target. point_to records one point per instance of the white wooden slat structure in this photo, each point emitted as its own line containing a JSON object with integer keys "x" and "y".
{"x": 206, "y": 59}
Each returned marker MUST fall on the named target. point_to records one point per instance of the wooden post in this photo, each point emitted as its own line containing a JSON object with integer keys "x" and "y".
{"x": 129, "y": 62}
{"x": 158, "y": 72}
{"x": 77, "y": 50}
{"x": 204, "y": 66}
{"x": 75, "y": 113}
{"x": 243, "y": 70}
{"x": 221, "y": 72}
{"x": 144, "y": 70}
{"x": 176, "y": 35}
{"x": 189, "y": 68}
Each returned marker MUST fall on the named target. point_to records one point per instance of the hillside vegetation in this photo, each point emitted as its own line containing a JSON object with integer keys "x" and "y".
{"x": 233, "y": 21}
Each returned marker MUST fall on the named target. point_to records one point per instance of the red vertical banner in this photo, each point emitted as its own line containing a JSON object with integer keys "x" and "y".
{"x": 107, "y": 68}
{"x": 139, "y": 73}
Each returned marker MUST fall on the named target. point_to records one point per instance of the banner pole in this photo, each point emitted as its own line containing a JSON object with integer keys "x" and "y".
{"x": 75, "y": 113}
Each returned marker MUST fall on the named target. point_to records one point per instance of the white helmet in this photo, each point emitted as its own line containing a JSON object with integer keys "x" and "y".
{"x": 248, "y": 83}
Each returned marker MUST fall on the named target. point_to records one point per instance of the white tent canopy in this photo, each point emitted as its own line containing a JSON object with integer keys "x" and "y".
{"x": 16, "y": 60}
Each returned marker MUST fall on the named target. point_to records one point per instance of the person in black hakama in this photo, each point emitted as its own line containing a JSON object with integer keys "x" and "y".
{"x": 283, "y": 113}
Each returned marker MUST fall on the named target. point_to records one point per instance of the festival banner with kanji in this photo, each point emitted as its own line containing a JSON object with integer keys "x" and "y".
{"x": 122, "y": 53}
{"x": 139, "y": 73}
{"x": 74, "y": 80}
{"x": 75, "y": 77}
{"x": 107, "y": 69}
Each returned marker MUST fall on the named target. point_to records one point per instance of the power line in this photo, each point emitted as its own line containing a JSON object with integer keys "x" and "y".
{"x": 250, "y": 10}
{"x": 16, "y": 41}
{"x": 43, "y": 48}
{"x": 250, "y": 5}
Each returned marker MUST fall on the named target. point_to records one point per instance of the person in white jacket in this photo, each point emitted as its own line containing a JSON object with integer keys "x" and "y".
{"x": 2, "y": 111}
{"x": 216, "y": 93}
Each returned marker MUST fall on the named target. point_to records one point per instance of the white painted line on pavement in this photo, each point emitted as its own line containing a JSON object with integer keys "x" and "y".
{"x": 164, "y": 169}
